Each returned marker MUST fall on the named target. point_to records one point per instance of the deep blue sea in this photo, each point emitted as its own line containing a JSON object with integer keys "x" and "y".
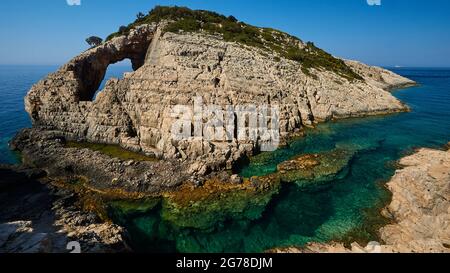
{"x": 347, "y": 208}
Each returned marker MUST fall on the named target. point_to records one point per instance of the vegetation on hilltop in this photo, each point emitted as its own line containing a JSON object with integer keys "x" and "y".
{"x": 182, "y": 19}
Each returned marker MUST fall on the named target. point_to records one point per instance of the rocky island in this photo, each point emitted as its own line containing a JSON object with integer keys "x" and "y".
{"x": 178, "y": 55}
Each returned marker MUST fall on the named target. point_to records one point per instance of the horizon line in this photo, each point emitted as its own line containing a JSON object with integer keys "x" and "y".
{"x": 386, "y": 66}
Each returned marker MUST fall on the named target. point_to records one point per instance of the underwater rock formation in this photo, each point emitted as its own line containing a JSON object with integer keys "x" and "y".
{"x": 216, "y": 201}
{"x": 315, "y": 168}
{"x": 172, "y": 66}
{"x": 419, "y": 211}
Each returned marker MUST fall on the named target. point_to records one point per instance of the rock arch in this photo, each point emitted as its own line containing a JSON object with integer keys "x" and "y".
{"x": 90, "y": 68}
{"x": 63, "y": 100}
{"x": 78, "y": 80}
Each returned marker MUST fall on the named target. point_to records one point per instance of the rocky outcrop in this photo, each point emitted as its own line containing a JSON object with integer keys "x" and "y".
{"x": 420, "y": 210}
{"x": 47, "y": 150}
{"x": 40, "y": 218}
{"x": 380, "y": 77}
{"x": 334, "y": 248}
{"x": 421, "y": 204}
{"x": 174, "y": 68}
{"x": 217, "y": 200}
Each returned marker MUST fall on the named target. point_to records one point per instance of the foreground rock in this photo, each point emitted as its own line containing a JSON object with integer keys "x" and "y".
{"x": 100, "y": 179}
{"x": 421, "y": 204}
{"x": 47, "y": 150}
{"x": 38, "y": 218}
{"x": 174, "y": 68}
{"x": 420, "y": 210}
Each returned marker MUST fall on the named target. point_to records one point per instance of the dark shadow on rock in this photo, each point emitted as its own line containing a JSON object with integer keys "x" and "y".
{"x": 35, "y": 218}
{"x": 26, "y": 218}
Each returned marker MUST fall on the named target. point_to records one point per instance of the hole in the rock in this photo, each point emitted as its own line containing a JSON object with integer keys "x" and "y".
{"x": 116, "y": 70}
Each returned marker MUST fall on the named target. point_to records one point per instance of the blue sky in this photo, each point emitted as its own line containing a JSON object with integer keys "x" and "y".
{"x": 399, "y": 32}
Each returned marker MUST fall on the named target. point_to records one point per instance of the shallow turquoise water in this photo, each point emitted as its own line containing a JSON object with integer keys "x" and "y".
{"x": 342, "y": 209}
{"x": 346, "y": 208}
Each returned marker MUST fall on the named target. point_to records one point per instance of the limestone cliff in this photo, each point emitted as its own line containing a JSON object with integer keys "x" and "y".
{"x": 172, "y": 67}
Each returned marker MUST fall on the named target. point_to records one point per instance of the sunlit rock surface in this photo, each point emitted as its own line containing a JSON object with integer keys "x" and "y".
{"x": 172, "y": 69}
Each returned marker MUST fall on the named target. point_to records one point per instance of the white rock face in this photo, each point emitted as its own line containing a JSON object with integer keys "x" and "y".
{"x": 173, "y": 69}
{"x": 380, "y": 77}
{"x": 421, "y": 204}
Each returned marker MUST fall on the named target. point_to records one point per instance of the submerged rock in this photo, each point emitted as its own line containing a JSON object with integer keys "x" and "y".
{"x": 130, "y": 207}
{"x": 315, "y": 168}
{"x": 216, "y": 201}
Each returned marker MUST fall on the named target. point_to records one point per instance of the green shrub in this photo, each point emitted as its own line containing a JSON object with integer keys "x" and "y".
{"x": 186, "y": 25}
{"x": 271, "y": 40}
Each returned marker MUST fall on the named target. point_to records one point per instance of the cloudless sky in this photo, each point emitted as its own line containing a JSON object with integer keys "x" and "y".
{"x": 399, "y": 32}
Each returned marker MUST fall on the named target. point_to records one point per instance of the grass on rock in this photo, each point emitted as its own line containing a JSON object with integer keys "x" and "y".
{"x": 185, "y": 20}
{"x": 111, "y": 150}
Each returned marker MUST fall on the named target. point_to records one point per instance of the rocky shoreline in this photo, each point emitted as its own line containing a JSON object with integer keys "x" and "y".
{"x": 175, "y": 68}
{"x": 38, "y": 217}
{"x": 419, "y": 211}
{"x": 135, "y": 113}
{"x": 43, "y": 214}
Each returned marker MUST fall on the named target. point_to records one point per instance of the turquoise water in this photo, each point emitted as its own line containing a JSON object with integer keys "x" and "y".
{"x": 346, "y": 208}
